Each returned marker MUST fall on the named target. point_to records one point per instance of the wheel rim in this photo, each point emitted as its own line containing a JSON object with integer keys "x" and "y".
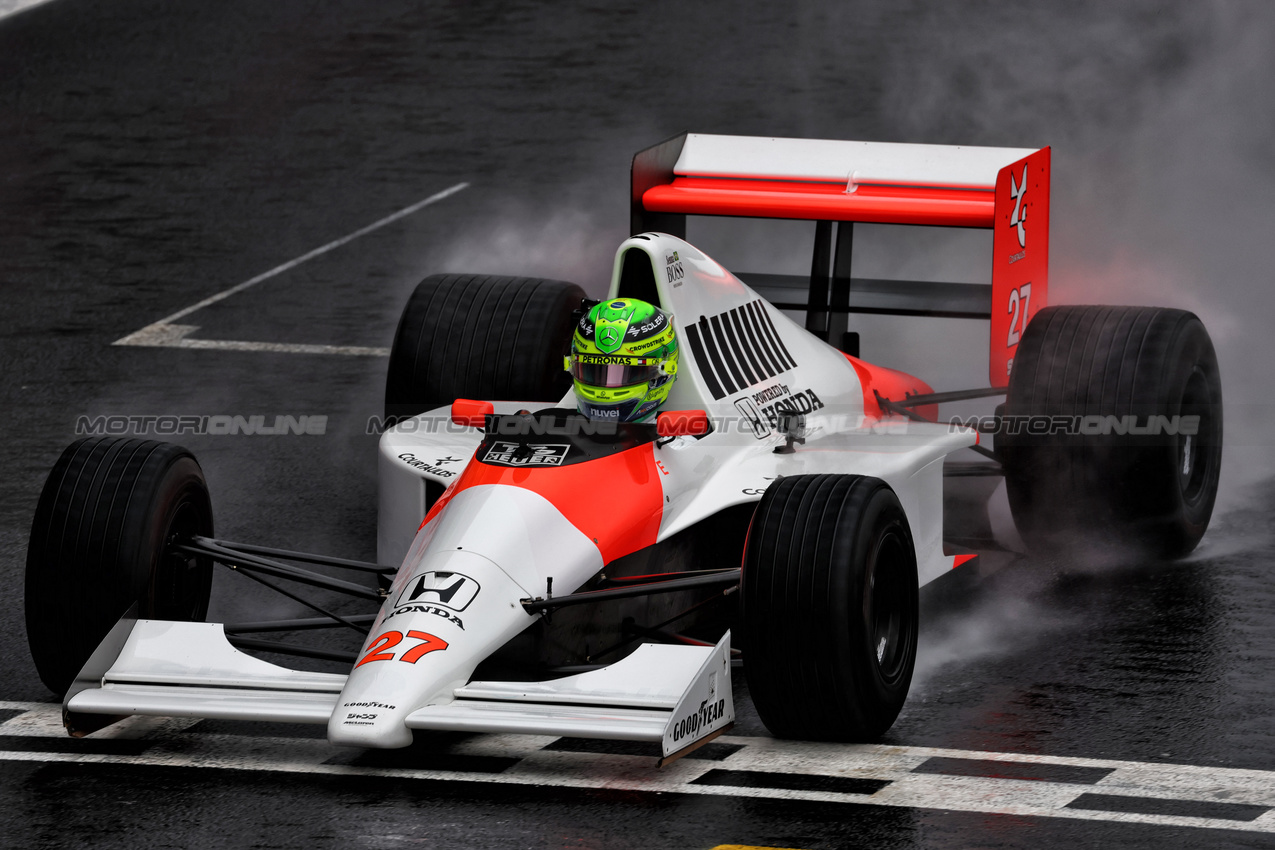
{"x": 887, "y": 615}
{"x": 176, "y": 585}
{"x": 1194, "y": 451}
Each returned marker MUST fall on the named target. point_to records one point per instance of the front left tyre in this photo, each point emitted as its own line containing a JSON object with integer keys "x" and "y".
{"x": 101, "y": 540}
{"x": 483, "y": 337}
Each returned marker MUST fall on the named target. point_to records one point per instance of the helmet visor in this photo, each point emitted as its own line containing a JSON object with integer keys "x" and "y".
{"x": 608, "y": 370}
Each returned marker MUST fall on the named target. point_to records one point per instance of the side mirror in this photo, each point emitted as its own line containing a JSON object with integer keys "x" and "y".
{"x": 682, "y": 423}
{"x": 792, "y": 426}
{"x": 472, "y": 414}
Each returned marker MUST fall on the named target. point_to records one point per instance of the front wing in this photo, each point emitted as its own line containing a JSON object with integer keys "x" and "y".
{"x": 678, "y": 696}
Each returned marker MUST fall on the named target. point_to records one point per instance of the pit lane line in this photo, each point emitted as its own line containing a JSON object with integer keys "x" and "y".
{"x": 166, "y": 334}
{"x": 772, "y": 769}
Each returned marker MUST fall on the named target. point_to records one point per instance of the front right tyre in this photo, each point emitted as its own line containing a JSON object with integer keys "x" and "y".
{"x": 101, "y": 540}
{"x": 828, "y": 604}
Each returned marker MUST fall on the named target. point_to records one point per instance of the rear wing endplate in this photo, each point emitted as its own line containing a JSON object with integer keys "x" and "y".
{"x": 836, "y": 183}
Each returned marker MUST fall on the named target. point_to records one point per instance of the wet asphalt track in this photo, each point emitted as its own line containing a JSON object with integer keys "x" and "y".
{"x": 153, "y": 155}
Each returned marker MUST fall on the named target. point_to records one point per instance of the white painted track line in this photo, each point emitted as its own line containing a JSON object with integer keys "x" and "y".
{"x": 165, "y": 334}
{"x": 171, "y": 745}
{"x": 12, "y": 7}
{"x": 160, "y": 335}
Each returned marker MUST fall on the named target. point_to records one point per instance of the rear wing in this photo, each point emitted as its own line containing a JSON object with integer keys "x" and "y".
{"x": 837, "y": 183}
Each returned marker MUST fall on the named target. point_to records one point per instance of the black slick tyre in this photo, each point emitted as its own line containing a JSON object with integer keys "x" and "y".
{"x": 482, "y": 337}
{"x": 1112, "y": 440}
{"x": 100, "y": 541}
{"x": 828, "y": 604}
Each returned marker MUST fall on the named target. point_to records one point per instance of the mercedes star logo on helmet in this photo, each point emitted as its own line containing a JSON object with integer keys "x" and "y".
{"x": 609, "y": 338}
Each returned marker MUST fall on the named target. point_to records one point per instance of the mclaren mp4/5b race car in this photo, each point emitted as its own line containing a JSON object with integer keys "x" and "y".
{"x": 542, "y": 571}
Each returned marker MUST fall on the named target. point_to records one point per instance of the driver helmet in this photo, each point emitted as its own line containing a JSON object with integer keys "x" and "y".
{"x": 623, "y": 360}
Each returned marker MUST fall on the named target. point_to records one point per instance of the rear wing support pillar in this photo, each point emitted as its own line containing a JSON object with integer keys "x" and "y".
{"x": 828, "y": 302}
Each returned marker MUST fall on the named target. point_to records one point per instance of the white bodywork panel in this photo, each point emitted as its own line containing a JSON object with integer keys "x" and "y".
{"x": 189, "y": 670}
{"x": 425, "y": 448}
{"x": 821, "y": 160}
{"x": 655, "y": 694}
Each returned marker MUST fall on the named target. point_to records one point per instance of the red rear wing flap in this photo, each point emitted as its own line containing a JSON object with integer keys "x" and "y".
{"x": 883, "y": 183}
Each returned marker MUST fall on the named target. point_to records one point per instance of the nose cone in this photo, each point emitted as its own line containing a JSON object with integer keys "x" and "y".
{"x": 457, "y": 599}
{"x": 517, "y": 528}
{"x": 451, "y": 611}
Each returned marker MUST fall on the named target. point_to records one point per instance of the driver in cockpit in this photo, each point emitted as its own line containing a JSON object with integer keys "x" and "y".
{"x": 623, "y": 360}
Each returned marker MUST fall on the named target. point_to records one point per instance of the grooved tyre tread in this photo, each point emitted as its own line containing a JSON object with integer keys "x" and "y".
{"x": 827, "y": 557}
{"x": 480, "y": 336}
{"x": 98, "y": 543}
{"x": 1152, "y": 493}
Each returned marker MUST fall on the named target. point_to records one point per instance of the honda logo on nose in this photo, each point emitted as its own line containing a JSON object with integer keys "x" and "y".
{"x": 450, "y": 590}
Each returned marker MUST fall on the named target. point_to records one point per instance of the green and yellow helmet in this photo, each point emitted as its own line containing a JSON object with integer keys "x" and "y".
{"x": 623, "y": 360}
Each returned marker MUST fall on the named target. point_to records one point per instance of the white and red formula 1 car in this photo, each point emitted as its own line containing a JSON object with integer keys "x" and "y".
{"x": 563, "y": 576}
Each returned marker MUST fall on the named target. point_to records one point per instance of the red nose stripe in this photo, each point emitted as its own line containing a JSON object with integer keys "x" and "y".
{"x": 616, "y": 501}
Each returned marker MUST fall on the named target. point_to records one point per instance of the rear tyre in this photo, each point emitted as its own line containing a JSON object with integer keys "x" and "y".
{"x": 483, "y": 337}
{"x": 101, "y": 540}
{"x": 829, "y": 607}
{"x": 1138, "y": 493}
